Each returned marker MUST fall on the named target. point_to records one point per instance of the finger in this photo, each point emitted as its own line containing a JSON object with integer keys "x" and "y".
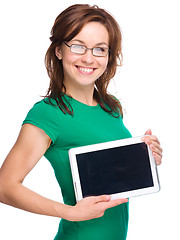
{"x": 115, "y": 202}
{"x": 148, "y": 132}
{"x": 155, "y": 147}
{"x": 157, "y": 155}
{"x": 157, "y": 152}
{"x": 154, "y": 144}
{"x": 149, "y": 139}
{"x": 102, "y": 198}
{"x": 157, "y": 158}
{"x": 153, "y": 138}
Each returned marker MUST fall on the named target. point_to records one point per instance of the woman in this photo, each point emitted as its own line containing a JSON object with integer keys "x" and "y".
{"x": 77, "y": 110}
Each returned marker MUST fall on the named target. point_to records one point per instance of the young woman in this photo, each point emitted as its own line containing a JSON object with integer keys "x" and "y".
{"x": 77, "y": 110}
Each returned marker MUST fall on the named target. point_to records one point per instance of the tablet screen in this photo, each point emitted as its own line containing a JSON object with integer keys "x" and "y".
{"x": 114, "y": 170}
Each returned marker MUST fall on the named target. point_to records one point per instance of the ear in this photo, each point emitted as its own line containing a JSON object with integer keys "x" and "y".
{"x": 58, "y": 53}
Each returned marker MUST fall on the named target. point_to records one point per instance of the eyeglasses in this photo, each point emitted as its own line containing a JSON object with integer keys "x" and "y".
{"x": 81, "y": 49}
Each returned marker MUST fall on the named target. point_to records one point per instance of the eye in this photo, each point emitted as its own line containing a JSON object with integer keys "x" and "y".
{"x": 100, "y": 49}
{"x": 78, "y": 48}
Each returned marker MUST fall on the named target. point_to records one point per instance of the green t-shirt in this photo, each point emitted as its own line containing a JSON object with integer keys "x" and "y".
{"x": 88, "y": 125}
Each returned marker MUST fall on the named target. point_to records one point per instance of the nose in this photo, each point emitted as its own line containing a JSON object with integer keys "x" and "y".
{"x": 88, "y": 57}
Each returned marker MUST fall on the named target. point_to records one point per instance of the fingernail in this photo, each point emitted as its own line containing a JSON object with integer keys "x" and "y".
{"x": 108, "y": 197}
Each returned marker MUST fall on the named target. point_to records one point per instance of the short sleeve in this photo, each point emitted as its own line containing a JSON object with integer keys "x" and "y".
{"x": 44, "y": 116}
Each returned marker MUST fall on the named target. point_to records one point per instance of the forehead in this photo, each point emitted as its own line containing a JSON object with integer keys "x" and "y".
{"x": 93, "y": 33}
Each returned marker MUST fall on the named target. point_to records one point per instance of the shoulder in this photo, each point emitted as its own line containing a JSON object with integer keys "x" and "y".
{"x": 43, "y": 107}
{"x": 44, "y": 103}
{"x": 44, "y": 116}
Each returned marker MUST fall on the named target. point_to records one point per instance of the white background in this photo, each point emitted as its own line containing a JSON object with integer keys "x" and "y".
{"x": 147, "y": 84}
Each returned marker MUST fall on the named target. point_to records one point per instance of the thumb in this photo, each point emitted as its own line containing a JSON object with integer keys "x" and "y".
{"x": 148, "y": 132}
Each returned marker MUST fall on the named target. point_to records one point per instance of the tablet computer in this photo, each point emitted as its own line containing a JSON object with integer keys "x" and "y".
{"x": 122, "y": 168}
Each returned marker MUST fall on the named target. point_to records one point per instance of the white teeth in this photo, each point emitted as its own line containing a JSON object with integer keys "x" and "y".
{"x": 87, "y": 70}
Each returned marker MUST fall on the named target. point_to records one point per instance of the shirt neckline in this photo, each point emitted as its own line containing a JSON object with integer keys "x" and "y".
{"x": 80, "y": 103}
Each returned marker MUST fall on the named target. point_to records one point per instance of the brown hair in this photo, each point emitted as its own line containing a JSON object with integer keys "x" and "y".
{"x": 67, "y": 25}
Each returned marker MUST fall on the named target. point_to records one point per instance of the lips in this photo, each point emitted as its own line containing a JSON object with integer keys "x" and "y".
{"x": 85, "y": 70}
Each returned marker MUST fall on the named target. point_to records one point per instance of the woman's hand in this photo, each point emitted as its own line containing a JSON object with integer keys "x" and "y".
{"x": 154, "y": 145}
{"x": 92, "y": 207}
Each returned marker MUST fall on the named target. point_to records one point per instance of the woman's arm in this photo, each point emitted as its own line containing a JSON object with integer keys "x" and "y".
{"x": 28, "y": 149}
{"x": 30, "y": 146}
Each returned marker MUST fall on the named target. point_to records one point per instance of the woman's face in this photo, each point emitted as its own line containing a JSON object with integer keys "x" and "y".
{"x": 83, "y": 70}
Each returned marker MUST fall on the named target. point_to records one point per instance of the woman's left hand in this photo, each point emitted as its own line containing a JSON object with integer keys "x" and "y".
{"x": 154, "y": 144}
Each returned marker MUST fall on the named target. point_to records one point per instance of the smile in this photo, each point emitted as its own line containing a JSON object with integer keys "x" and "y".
{"x": 85, "y": 69}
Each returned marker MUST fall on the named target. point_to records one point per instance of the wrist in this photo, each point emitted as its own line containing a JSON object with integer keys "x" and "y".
{"x": 68, "y": 212}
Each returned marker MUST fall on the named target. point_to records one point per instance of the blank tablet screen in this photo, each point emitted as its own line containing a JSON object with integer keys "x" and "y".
{"x": 114, "y": 170}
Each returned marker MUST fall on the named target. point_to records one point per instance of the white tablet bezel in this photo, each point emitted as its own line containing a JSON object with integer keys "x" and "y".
{"x": 108, "y": 145}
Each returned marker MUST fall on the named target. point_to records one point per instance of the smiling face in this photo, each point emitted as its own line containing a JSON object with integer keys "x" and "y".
{"x": 81, "y": 71}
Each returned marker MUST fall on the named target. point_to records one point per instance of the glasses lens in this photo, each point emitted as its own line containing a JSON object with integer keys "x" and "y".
{"x": 79, "y": 49}
{"x": 100, "y": 51}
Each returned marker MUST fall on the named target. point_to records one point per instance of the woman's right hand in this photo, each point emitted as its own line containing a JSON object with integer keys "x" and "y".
{"x": 92, "y": 207}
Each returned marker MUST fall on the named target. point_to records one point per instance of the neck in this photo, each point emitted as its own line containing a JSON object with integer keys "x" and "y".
{"x": 84, "y": 95}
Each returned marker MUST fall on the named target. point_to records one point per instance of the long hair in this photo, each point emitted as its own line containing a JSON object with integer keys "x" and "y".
{"x": 66, "y": 26}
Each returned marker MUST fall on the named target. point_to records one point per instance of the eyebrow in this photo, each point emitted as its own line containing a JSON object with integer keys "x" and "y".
{"x": 80, "y": 41}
